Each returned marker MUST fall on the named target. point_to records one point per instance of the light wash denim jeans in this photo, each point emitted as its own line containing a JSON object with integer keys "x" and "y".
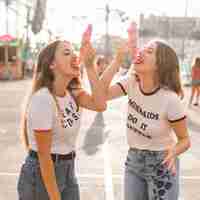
{"x": 147, "y": 179}
{"x": 31, "y": 187}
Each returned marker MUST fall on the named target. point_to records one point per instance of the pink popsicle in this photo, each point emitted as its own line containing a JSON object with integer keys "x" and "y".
{"x": 132, "y": 38}
{"x": 87, "y": 34}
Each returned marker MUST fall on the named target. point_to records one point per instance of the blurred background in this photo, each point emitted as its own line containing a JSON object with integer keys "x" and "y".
{"x": 27, "y": 25}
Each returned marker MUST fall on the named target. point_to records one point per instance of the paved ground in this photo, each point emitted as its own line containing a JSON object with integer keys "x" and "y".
{"x": 101, "y": 149}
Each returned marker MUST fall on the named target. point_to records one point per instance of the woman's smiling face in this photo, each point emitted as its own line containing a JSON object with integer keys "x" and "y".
{"x": 145, "y": 60}
{"x": 66, "y": 61}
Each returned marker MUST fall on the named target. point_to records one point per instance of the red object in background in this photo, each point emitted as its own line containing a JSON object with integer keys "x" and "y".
{"x": 196, "y": 73}
{"x": 6, "y": 38}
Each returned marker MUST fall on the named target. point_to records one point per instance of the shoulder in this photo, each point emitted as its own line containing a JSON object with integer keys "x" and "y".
{"x": 169, "y": 93}
{"x": 173, "y": 100}
{"x": 42, "y": 96}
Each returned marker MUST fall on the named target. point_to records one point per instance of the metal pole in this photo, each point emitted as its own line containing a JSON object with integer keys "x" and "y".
{"x": 107, "y": 38}
{"x": 6, "y": 44}
{"x": 184, "y": 37}
{"x": 27, "y": 25}
{"x": 27, "y": 40}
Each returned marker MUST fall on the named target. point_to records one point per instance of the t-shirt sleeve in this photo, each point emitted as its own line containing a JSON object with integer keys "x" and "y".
{"x": 41, "y": 113}
{"x": 176, "y": 109}
{"x": 123, "y": 84}
{"x": 126, "y": 80}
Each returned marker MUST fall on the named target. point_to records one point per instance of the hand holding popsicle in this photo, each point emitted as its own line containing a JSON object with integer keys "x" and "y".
{"x": 86, "y": 38}
{"x": 87, "y": 34}
{"x": 87, "y": 52}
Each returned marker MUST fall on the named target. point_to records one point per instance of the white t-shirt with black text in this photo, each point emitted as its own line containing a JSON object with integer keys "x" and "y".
{"x": 42, "y": 116}
{"x": 150, "y": 115}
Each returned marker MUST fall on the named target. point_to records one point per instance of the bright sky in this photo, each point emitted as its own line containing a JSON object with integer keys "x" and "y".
{"x": 61, "y": 22}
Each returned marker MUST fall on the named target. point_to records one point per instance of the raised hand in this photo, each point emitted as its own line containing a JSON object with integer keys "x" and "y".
{"x": 86, "y": 40}
{"x": 132, "y": 39}
{"x": 88, "y": 55}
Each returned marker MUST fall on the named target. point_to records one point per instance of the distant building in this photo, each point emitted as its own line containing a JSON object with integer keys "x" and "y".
{"x": 182, "y": 33}
{"x": 168, "y": 27}
{"x": 114, "y": 43}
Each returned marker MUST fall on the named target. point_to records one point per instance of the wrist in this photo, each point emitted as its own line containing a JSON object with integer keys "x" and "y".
{"x": 116, "y": 64}
{"x": 174, "y": 151}
{"x": 90, "y": 67}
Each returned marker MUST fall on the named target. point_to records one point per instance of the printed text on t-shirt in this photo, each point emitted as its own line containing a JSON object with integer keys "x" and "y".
{"x": 69, "y": 116}
{"x": 144, "y": 113}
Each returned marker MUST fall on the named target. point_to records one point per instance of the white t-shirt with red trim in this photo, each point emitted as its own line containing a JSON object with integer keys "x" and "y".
{"x": 42, "y": 115}
{"x": 150, "y": 115}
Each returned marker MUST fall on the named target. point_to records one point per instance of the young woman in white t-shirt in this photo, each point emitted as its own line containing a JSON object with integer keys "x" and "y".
{"x": 156, "y": 122}
{"x": 52, "y": 121}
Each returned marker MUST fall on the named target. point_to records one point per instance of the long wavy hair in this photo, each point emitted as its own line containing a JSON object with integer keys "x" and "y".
{"x": 43, "y": 77}
{"x": 168, "y": 68}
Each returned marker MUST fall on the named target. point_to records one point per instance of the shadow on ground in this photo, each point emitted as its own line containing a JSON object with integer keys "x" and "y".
{"x": 193, "y": 124}
{"x": 96, "y": 135}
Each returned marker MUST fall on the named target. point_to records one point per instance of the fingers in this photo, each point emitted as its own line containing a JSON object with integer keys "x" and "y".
{"x": 132, "y": 34}
{"x": 171, "y": 166}
{"x": 88, "y": 54}
{"x": 169, "y": 162}
{"x": 174, "y": 169}
{"x": 85, "y": 50}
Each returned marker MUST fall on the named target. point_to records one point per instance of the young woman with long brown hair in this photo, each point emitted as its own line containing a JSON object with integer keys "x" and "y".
{"x": 156, "y": 121}
{"x": 52, "y": 120}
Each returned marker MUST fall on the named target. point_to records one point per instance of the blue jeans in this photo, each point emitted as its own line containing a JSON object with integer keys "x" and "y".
{"x": 31, "y": 187}
{"x": 147, "y": 179}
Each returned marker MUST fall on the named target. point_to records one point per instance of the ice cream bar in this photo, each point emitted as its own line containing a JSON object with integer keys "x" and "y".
{"x": 87, "y": 34}
{"x": 132, "y": 32}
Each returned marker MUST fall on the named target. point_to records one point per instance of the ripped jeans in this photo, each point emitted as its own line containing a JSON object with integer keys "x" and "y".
{"x": 31, "y": 187}
{"x": 147, "y": 179}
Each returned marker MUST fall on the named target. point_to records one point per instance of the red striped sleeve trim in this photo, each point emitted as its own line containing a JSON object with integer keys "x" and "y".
{"x": 42, "y": 130}
{"x": 177, "y": 120}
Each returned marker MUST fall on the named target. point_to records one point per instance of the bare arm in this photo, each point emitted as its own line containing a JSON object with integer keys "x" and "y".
{"x": 118, "y": 90}
{"x": 115, "y": 90}
{"x": 97, "y": 100}
{"x": 182, "y": 145}
{"x": 44, "y": 140}
{"x": 181, "y": 132}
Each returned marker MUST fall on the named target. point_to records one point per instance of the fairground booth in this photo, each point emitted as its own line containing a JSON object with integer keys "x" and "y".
{"x": 10, "y": 62}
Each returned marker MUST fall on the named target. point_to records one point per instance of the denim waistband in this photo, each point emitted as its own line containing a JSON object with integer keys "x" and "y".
{"x": 55, "y": 157}
{"x": 146, "y": 151}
